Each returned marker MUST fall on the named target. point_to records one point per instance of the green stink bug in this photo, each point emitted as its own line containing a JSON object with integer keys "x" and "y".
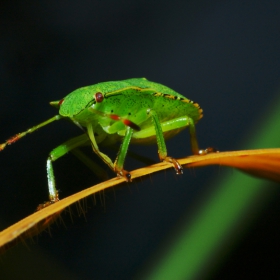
{"x": 134, "y": 110}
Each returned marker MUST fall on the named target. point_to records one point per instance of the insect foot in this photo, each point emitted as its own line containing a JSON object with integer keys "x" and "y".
{"x": 177, "y": 166}
{"x": 48, "y": 203}
{"x": 124, "y": 174}
{"x": 43, "y": 205}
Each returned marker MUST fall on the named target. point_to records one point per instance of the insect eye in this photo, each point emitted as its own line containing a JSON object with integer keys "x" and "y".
{"x": 99, "y": 97}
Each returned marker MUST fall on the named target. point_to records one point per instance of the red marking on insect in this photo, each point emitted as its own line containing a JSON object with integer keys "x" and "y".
{"x": 99, "y": 97}
{"x": 115, "y": 117}
{"x": 60, "y": 102}
{"x": 131, "y": 124}
{"x": 13, "y": 139}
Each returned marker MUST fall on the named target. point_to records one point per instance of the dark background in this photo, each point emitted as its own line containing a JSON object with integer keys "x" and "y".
{"x": 222, "y": 54}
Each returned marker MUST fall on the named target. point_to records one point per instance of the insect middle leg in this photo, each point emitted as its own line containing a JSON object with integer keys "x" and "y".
{"x": 95, "y": 148}
{"x": 119, "y": 162}
{"x": 162, "y": 151}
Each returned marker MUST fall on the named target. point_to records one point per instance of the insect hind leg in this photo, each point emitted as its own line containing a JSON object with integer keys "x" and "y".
{"x": 194, "y": 143}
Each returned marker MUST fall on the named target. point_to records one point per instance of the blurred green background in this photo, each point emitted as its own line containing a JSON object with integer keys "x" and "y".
{"x": 210, "y": 223}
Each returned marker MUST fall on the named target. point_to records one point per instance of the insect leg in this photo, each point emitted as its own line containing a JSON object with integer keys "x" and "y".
{"x": 194, "y": 143}
{"x": 119, "y": 162}
{"x": 118, "y": 166}
{"x": 55, "y": 154}
{"x": 162, "y": 151}
{"x": 95, "y": 148}
{"x": 177, "y": 123}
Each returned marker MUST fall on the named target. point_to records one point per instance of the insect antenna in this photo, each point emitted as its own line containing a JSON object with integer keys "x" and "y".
{"x": 18, "y": 136}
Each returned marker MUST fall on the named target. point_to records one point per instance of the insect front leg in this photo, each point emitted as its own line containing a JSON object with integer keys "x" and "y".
{"x": 54, "y": 155}
{"x": 162, "y": 151}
